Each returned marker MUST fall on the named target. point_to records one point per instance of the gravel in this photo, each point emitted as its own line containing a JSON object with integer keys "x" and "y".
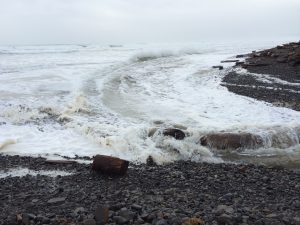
{"x": 168, "y": 194}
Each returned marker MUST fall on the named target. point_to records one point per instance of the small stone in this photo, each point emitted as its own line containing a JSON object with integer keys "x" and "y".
{"x": 296, "y": 220}
{"x": 34, "y": 200}
{"x": 150, "y": 161}
{"x": 127, "y": 214}
{"x": 79, "y": 210}
{"x": 227, "y": 197}
{"x": 175, "y": 221}
{"x": 43, "y": 219}
{"x": 31, "y": 216}
{"x": 272, "y": 215}
{"x": 223, "y": 209}
{"x": 120, "y": 220}
{"x": 56, "y": 200}
{"x": 89, "y": 222}
{"x": 136, "y": 207}
{"x": 162, "y": 222}
{"x": 225, "y": 219}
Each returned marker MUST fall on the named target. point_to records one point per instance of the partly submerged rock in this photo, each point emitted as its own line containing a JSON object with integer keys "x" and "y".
{"x": 218, "y": 67}
{"x": 150, "y": 161}
{"x": 176, "y": 133}
{"x": 234, "y": 141}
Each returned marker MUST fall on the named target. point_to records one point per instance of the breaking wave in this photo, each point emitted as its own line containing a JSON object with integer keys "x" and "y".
{"x": 152, "y": 55}
{"x": 119, "y": 104}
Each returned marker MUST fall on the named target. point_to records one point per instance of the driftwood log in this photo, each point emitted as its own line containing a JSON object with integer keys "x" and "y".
{"x": 110, "y": 165}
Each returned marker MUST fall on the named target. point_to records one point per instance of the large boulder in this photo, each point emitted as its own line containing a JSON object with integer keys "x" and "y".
{"x": 224, "y": 141}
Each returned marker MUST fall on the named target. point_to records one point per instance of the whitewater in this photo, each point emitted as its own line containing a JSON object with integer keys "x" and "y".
{"x": 83, "y": 100}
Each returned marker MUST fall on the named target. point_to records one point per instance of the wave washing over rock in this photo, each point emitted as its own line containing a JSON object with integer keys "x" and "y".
{"x": 81, "y": 101}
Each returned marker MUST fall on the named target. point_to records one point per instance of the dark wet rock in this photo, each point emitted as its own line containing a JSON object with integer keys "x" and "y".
{"x": 230, "y": 61}
{"x": 162, "y": 222}
{"x": 241, "y": 56}
{"x": 120, "y": 220}
{"x": 89, "y": 222}
{"x": 136, "y": 207}
{"x": 218, "y": 67}
{"x": 43, "y": 219}
{"x": 176, "y": 133}
{"x": 150, "y": 161}
{"x": 221, "y": 209}
{"x": 225, "y": 219}
{"x": 127, "y": 214}
{"x": 79, "y": 210}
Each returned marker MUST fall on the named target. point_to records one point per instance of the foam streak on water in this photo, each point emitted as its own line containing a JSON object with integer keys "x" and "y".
{"x": 87, "y": 100}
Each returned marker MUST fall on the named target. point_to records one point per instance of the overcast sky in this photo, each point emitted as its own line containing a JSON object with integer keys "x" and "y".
{"x": 123, "y": 21}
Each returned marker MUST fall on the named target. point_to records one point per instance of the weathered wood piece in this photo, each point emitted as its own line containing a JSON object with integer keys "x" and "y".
{"x": 110, "y": 165}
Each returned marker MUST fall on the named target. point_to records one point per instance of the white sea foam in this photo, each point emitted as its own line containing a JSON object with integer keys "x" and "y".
{"x": 102, "y": 100}
{"x": 21, "y": 172}
{"x": 267, "y": 78}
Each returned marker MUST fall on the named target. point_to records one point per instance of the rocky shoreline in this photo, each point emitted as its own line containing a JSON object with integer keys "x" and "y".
{"x": 177, "y": 193}
{"x": 271, "y": 75}
{"x": 188, "y": 193}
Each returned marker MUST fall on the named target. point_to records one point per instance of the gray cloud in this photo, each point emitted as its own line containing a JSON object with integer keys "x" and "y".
{"x": 119, "y": 21}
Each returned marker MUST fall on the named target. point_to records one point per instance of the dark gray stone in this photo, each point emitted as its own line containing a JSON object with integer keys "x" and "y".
{"x": 89, "y": 222}
{"x": 56, "y": 200}
{"x": 120, "y": 220}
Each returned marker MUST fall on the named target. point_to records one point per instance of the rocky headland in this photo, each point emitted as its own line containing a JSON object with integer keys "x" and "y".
{"x": 271, "y": 75}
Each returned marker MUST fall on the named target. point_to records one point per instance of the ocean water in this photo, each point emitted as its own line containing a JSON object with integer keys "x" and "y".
{"x": 75, "y": 100}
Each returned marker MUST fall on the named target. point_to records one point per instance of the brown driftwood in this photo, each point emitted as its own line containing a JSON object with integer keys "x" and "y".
{"x": 110, "y": 165}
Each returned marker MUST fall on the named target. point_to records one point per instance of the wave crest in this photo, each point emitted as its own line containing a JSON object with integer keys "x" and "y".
{"x": 146, "y": 56}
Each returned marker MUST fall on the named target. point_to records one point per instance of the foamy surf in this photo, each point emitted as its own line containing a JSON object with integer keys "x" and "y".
{"x": 74, "y": 101}
{"x": 7, "y": 142}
